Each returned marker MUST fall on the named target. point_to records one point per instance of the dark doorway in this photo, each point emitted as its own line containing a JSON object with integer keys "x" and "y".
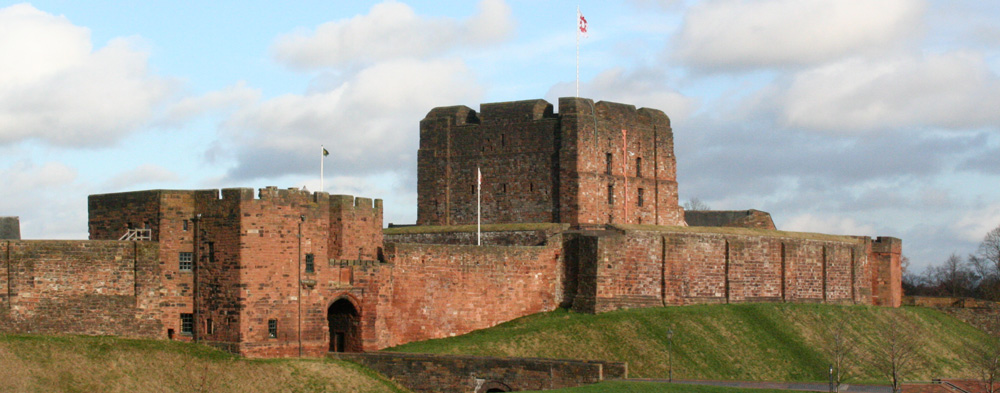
{"x": 345, "y": 329}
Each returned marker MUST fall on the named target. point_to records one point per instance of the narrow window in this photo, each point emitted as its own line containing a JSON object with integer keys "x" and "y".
{"x": 503, "y": 187}
{"x": 607, "y": 159}
{"x": 531, "y": 187}
{"x": 503, "y": 140}
{"x": 209, "y": 327}
{"x": 186, "y": 261}
{"x": 310, "y": 263}
{"x": 638, "y": 167}
{"x": 185, "y": 225}
{"x": 272, "y": 328}
{"x": 639, "y": 199}
{"x": 187, "y": 324}
{"x": 611, "y": 194}
{"x": 211, "y": 251}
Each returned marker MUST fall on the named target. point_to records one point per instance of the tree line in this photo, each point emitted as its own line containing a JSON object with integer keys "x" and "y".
{"x": 976, "y": 275}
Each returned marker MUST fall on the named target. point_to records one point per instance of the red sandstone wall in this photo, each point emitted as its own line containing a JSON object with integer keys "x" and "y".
{"x": 641, "y": 268}
{"x": 542, "y": 167}
{"x": 583, "y": 164}
{"x": 79, "y": 287}
{"x": 887, "y": 273}
{"x": 441, "y": 291}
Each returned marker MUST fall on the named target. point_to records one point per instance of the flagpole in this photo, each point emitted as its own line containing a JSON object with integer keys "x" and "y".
{"x": 479, "y": 206}
{"x": 578, "y": 51}
{"x": 322, "y": 156}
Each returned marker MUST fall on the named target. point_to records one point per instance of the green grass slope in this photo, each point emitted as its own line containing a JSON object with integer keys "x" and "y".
{"x": 30, "y": 363}
{"x": 776, "y": 342}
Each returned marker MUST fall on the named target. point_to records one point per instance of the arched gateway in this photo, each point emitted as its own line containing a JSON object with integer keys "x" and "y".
{"x": 345, "y": 326}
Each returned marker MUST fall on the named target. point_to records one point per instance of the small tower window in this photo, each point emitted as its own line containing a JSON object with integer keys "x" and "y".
{"x": 186, "y": 225}
{"x": 272, "y": 328}
{"x": 186, "y": 261}
{"x": 187, "y": 324}
{"x": 611, "y": 194}
{"x": 639, "y": 200}
{"x": 607, "y": 159}
{"x": 638, "y": 167}
{"x": 310, "y": 263}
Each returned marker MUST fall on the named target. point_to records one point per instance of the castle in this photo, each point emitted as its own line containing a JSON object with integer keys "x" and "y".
{"x": 579, "y": 210}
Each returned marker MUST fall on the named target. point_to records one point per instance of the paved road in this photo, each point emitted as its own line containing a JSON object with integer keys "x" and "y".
{"x": 800, "y": 386}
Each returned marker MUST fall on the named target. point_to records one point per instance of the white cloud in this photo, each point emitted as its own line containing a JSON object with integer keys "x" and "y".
{"x": 369, "y": 123}
{"x": 951, "y": 90}
{"x": 642, "y": 88}
{"x": 232, "y": 97}
{"x": 974, "y": 225}
{"x": 391, "y": 30}
{"x": 48, "y": 198}
{"x": 54, "y": 87}
{"x": 736, "y": 34}
{"x": 827, "y": 224}
{"x": 144, "y": 174}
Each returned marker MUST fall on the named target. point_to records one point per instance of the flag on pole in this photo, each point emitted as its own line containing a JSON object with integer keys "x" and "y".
{"x": 479, "y": 206}
{"x": 325, "y": 152}
{"x": 581, "y": 23}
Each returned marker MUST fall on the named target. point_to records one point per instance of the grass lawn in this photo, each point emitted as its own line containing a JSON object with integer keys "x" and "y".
{"x": 30, "y": 363}
{"x": 758, "y": 342}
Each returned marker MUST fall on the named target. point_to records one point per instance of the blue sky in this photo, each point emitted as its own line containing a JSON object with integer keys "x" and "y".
{"x": 868, "y": 118}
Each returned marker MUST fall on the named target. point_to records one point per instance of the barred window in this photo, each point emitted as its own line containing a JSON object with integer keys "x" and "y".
{"x": 608, "y": 161}
{"x": 186, "y": 261}
{"x": 272, "y": 328}
{"x": 310, "y": 263}
{"x": 640, "y": 200}
{"x": 187, "y": 324}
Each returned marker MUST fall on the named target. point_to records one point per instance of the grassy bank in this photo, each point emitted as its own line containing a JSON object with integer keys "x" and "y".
{"x": 777, "y": 342}
{"x": 107, "y": 364}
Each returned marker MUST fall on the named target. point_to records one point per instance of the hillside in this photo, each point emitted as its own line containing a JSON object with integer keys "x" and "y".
{"x": 782, "y": 342}
{"x": 106, "y": 364}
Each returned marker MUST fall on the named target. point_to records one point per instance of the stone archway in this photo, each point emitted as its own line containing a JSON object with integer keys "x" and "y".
{"x": 494, "y": 386}
{"x": 345, "y": 326}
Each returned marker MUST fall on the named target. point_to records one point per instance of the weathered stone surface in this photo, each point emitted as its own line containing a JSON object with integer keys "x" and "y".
{"x": 10, "y": 228}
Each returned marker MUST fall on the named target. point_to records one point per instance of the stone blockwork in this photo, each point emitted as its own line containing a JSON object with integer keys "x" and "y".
{"x": 590, "y": 164}
{"x": 79, "y": 287}
{"x": 461, "y": 374}
{"x": 646, "y": 266}
{"x": 10, "y": 228}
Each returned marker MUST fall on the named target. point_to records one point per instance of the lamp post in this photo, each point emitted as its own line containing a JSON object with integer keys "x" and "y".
{"x": 831, "y": 377}
{"x": 670, "y": 355}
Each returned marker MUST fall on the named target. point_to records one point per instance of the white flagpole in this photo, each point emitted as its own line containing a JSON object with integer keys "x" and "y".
{"x": 577, "y": 51}
{"x": 322, "y": 158}
{"x": 479, "y": 206}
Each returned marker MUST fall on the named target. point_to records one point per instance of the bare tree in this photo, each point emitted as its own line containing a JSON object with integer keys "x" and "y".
{"x": 954, "y": 276}
{"x": 895, "y": 355}
{"x": 986, "y": 262}
{"x": 695, "y": 204}
{"x": 839, "y": 346}
{"x": 985, "y": 358}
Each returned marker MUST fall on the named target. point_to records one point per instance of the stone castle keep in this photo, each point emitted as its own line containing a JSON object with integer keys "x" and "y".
{"x": 580, "y": 210}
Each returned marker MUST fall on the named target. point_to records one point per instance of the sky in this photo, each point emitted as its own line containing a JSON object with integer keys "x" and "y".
{"x": 868, "y": 117}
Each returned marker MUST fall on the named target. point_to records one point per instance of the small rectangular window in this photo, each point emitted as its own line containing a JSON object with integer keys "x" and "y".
{"x": 187, "y": 324}
{"x": 272, "y": 328}
{"x": 211, "y": 251}
{"x": 611, "y": 195}
{"x": 608, "y": 160}
{"x": 185, "y": 225}
{"x": 638, "y": 167}
{"x": 640, "y": 200}
{"x": 209, "y": 327}
{"x": 310, "y": 263}
{"x": 186, "y": 260}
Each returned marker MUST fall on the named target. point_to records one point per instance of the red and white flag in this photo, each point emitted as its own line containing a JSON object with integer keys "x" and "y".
{"x": 581, "y": 23}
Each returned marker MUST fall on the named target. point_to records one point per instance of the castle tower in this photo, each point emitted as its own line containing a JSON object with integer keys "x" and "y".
{"x": 589, "y": 165}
